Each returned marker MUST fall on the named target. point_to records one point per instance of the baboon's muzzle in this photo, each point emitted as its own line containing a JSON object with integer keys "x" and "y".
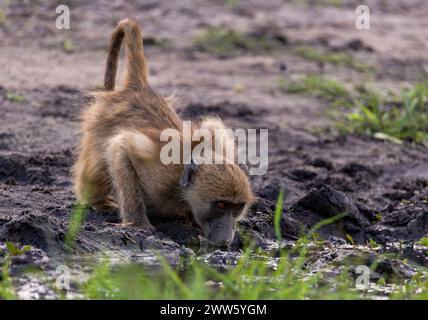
{"x": 220, "y": 231}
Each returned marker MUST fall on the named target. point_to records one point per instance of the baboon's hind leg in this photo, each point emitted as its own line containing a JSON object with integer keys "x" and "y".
{"x": 126, "y": 183}
{"x": 92, "y": 184}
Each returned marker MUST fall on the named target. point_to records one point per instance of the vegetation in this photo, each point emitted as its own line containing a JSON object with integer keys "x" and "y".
{"x": 15, "y": 97}
{"x": 230, "y": 4}
{"x": 250, "y": 278}
{"x": 334, "y": 58}
{"x": 333, "y": 3}
{"x": 6, "y": 287}
{"x": 225, "y": 41}
{"x": 423, "y": 242}
{"x": 278, "y": 214}
{"x": 2, "y": 17}
{"x": 320, "y": 87}
{"x": 418, "y": 283}
{"x": 403, "y": 118}
{"x": 395, "y": 118}
{"x": 68, "y": 45}
{"x": 3, "y": 12}
{"x": 76, "y": 220}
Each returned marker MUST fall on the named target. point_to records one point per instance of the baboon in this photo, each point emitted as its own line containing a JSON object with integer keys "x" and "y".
{"x": 119, "y": 157}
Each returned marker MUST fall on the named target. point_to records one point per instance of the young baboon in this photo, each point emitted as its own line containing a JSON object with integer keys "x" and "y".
{"x": 119, "y": 157}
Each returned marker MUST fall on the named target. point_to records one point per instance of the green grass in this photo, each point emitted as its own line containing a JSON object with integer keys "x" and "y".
{"x": 277, "y": 215}
{"x": 372, "y": 244}
{"x": 15, "y": 97}
{"x": 230, "y": 4}
{"x": 418, "y": 283}
{"x": 320, "y": 87}
{"x": 334, "y": 58}
{"x": 7, "y": 290}
{"x": 226, "y": 41}
{"x": 423, "y": 241}
{"x": 68, "y": 46}
{"x": 2, "y": 17}
{"x": 3, "y": 12}
{"x": 396, "y": 118}
{"x": 333, "y": 3}
{"x": 15, "y": 251}
{"x": 402, "y": 118}
{"x": 76, "y": 221}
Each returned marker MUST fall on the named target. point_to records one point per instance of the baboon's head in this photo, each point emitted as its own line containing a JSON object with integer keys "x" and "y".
{"x": 219, "y": 195}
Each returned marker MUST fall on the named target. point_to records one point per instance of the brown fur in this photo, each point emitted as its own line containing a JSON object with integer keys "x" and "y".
{"x": 118, "y": 162}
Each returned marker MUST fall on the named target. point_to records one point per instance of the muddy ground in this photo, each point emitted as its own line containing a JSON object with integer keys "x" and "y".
{"x": 381, "y": 185}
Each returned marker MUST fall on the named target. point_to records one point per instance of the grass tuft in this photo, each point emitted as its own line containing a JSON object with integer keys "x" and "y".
{"x": 321, "y": 3}
{"x": 76, "y": 221}
{"x": 383, "y": 116}
{"x": 423, "y": 241}
{"x": 2, "y": 17}
{"x": 15, "y": 97}
{"x": 68, "y": 45}
{"x": 318, "y": 86}
{"x": 230, "y": 4}
{"x": 403, "y": 118}
{"x": 7, "y": 290}
{"x": 226, "y": 41}
{"x": 334, "y": 58}
{"x": 278, "y": 214}
{"x": 16, "y": 251}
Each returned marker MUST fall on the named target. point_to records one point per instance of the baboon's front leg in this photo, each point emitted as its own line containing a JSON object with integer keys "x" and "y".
{"x": 127, "y": 184}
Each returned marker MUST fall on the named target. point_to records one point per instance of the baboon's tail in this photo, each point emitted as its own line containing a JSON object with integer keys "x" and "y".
{"x": 130, "y": 30}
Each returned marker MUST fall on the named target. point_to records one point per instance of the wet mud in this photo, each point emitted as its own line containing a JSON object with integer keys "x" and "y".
{"x": 380, "y": 187}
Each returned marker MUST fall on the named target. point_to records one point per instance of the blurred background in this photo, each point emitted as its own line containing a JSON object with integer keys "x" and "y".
{"x": 220, "y": 49}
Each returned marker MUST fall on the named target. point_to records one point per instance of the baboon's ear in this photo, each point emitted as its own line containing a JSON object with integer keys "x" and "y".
{"x": 187, "y": 177}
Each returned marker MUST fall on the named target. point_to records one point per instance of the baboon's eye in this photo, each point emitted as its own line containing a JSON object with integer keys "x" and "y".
{"x": 221, "y": 205}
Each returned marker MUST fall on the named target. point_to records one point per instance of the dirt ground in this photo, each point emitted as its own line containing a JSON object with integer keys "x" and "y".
{"x": 383, "y": 186}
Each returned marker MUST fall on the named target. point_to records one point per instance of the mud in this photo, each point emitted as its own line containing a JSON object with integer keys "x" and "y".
{"x": 381, "y": 186}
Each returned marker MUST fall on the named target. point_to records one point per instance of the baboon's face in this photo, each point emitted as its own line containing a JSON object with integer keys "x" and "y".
{"x": 219, "y": 195}
{"x": 219, "y": 221}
